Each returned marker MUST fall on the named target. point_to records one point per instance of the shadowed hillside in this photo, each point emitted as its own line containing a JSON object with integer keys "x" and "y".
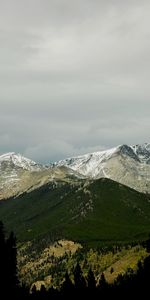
{"x": 92, "y": 212}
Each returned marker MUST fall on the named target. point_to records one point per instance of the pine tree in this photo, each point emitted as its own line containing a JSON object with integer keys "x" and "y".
{"x": 2, "y": 257}
{"x": 91, "y": 280}
{"x": 11, "y": 262}
{"x": 79, "y": 279}
{"x": 102, "y": 282}
{"x": 67, "y": 284}
{"x": 2, "y": 235}
{"x": 8, "y": 264}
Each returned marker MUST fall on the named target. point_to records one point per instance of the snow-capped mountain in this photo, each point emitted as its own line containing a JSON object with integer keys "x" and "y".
{"x": 15, "y": 173}
{"x": 18, "y": 161}
{"x": 129, "y": 165}
{"x": 19, "y": 174}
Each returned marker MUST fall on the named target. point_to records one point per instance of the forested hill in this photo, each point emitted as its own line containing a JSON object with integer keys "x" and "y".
{"x": 92, "y": 212}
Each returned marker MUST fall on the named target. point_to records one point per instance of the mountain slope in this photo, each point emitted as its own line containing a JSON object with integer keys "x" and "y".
{"x": 19, "y": 174}
{"x": 14, "y": 171}
{"x": 129, "y": 165}
{"x": 10, "y": 160}
{"x": 93, "y": 212}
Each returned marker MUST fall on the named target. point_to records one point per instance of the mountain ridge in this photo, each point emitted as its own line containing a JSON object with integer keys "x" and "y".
{"x": 134, "y": 150}
{"x": 20, "y": 161}
{"x": 129, "y": 165}
{"x": 93, "y": 211}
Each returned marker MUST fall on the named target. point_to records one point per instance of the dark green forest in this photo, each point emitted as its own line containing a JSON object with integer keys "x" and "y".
{"x": 95, "y": 213}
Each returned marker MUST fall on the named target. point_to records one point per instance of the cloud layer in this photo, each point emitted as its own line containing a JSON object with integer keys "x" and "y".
{"x": 74, "y": 76}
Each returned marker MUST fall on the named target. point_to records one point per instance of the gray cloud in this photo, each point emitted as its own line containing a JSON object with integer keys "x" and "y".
{"x": 74, "y": 76}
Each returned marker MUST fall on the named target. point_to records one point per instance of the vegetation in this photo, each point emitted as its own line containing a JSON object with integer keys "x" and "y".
{"x": 132, "y": 283}
{"x": 8, "y": 262}
{"x": 75, "y": 236}
{"x": 49, "y": 266}
{"x": 95, "y": 213}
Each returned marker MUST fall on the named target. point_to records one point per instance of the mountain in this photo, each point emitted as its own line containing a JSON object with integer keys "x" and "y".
{"x": 57, "y": 209}
{"x": 94, "y": 212}
{"x": 15, "y": 171}
{"x": 12, "y": 160}
{"x": 19, "y": 174}
{"x": 129, "y": 165}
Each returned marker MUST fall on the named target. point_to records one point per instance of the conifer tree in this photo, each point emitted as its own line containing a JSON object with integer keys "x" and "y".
{"x": 8, "y": 263}
{"x": 11, "y": 262}
{"x": 79, "y": 279}
{"x": 2, "y": 257}
{"x": 91, "y": 280}
{"x": 67, "y": 284}
{"x": 102, "y": 282}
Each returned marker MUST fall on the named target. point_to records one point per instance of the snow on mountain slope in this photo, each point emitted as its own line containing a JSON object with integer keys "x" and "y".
{"x": 88, "y": 164}
{"x": 143, "y": 152}
{"x": 92, "y": 163}
{"x": 19, "y": 174}
{"x": 17, "y": 160}
{"x": 129, "y": 165}
{"x": 15, "y": 174}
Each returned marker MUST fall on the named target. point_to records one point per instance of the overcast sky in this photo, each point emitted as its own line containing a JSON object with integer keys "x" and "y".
{"x": 74, "y": 76}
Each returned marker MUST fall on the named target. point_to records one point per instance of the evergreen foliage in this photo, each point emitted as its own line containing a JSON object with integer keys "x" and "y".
{"x": 8, "y": 262}
{"x": 105, "y": 213}
{"x": 91, "y": 282}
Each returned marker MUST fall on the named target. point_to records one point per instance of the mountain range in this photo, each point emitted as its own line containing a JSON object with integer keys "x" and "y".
{"x": 102, "y": 192}
{"x": 128, "y": 165}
